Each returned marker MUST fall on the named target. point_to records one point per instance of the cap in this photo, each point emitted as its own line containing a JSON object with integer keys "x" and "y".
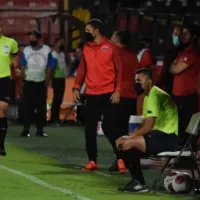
{"x": 36, "y": 33}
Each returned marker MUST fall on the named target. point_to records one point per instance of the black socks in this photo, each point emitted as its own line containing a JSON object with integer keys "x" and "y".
{"x": 3, "y": 131}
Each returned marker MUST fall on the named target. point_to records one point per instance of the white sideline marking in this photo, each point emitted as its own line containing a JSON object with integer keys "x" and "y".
{"x": 44, "y": 184}
{"x": 96, "y": 172}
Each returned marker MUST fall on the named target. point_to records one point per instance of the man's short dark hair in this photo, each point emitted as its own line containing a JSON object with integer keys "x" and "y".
{"x": 146, "y": 71}
{"x": 146, "y": 40}
{"x": 98, "y": 24}
{"x": 193, "y": 28}
{"x": 123, "y": 36}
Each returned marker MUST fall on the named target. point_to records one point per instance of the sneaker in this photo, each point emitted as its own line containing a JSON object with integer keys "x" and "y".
{"x": 121, "y": 166}
{"x": 2, "y": 153}
{"x": 134, "y": 187}
{"x": 90, "y": 166}
{"x": 41, "y": 134}
{"x": 25, "y": 134}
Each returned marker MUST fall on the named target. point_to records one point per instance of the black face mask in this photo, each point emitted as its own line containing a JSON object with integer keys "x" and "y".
{"x": 34, "y": 43}
{"x": 138, "y": 88}
{"x": 62, "y": 47}
{"x": 89, "y": 37}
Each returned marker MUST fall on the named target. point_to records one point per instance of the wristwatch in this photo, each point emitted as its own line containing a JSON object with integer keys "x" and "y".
{"x": 73, "y": 89}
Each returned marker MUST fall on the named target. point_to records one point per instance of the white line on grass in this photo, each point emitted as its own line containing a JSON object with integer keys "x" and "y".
{"x": 96, "y": 172}
{"x": 44, "y": 184}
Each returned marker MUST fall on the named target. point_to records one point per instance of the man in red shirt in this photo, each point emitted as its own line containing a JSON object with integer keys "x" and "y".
{"x": 144, "y": 55}
{"x": 185, "y": 70}
{"x": 127, "y": 105}
{"x": 101, "y": 69}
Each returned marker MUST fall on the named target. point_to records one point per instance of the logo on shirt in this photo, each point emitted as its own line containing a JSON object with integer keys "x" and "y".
{"x": 104, "y": 48}
{"x": 6, "y": 49}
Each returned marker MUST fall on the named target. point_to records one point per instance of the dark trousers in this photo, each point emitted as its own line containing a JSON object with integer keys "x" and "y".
{"x": 127, "y": 107}
{"x": 58, "y": 93}
{"x": 34, "y": 99}
{"x": 95, "y": 106}
{"x": 187, "y": 106}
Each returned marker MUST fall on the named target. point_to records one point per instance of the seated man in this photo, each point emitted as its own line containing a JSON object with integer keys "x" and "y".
{"x": 157, "y": 132}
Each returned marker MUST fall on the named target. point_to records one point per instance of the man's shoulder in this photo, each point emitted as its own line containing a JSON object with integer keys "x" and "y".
{"x": 46, "y": 47}
{"x": 8, "y": 39}
{"x": 157, "y": 92}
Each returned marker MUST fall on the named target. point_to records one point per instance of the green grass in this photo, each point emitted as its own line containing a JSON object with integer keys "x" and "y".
{"x": 55, "y": 160}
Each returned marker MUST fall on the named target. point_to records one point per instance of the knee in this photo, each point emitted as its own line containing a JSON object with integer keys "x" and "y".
{"x": 3, "y": 109}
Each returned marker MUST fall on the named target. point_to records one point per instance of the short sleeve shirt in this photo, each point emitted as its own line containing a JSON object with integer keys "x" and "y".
{"x": 160, "y": 105}
{"x": 8, "y": 46}
{"x": 185, "y": 83}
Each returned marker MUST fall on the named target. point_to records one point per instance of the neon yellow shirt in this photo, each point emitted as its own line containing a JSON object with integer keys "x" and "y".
{"x": 8, "y": 46}
{"x": 160, "y": 105}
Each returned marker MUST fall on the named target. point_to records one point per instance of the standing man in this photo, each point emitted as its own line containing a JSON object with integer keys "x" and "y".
{"x": 170, "y": 56}
{"x": 127, "y": 105}
{"x": 34, "y": 61}
{"x": 8, "y": 50}
{"x": 58, "y": 82}
{"x": 185, "y": 70}
{"x": 101, "y": 69}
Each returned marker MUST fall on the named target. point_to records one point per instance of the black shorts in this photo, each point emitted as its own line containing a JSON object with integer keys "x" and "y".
{"x": 157, "y": 142}
{"x": 5, "y": 89}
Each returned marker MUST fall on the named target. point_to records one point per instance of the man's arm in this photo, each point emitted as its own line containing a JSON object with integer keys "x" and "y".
{"x": 14, "y": 52}
{"x": 181, "y": 65}
{"x": 52, "y": 62}
{"x": 118, "y": 66}
{"x": 80, "y": 74}
{"x": 145, "y": 127}
{"x": 23, "y": 64}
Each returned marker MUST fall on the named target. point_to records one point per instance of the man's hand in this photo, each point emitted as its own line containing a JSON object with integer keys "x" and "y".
{"x": 115, "y": 98}
{"x": 76, "y": 96}
{"x": 120, "y": 140}
{"x": 124, "y": 143}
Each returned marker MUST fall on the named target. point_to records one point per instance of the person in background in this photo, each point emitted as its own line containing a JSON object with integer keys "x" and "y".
{"x": 128, "y": 100}
{"x": 144, "y": 55}
{"x": 185, "y": 69}
{"x": 8, "y": 55}
{"x": 170, "y": 56}
{"x": 101, "y": 69}
{"x": 35, "y": 60}
{"x": 58, "y": 82}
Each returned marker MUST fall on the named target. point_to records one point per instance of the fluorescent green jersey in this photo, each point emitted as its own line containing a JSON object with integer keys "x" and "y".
{"x": 8, "y": 46}
{"x": 160, "y": 105}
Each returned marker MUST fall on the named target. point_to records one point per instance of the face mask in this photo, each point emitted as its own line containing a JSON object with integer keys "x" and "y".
{"x": 89, "y": 37}
{"x": 33, "y": 43}
{"x": 138, "y": 88}
{"x": 176, "y": 40}
{"x": 62, "y": 47}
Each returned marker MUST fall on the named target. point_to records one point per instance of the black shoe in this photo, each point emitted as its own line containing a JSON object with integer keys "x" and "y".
{"x": 41, "y": 134}
{"x": 114, "y": 167}
{"x": 134, "y": 187}
{"x": 2, "y": 153}
{"x": 25, "y": 134}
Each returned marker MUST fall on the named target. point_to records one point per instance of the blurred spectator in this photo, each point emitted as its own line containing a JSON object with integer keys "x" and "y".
{"x": 34, "y": 61}
{"x": 185, "y": 70}
{"x": 144, "y": 55}
{"x": 58, "y": 83}
{"x": 170, "y": 56}
{"x": 127, "y": 105}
